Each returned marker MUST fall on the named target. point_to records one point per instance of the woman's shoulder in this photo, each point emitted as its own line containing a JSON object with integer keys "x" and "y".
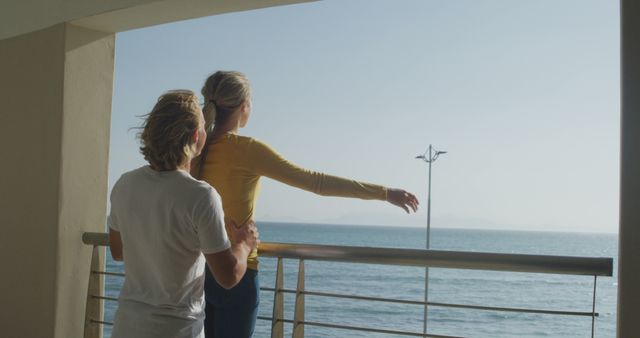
{"x": 260, "y": 147}
{"x": 249, "y": 142}
{"x": 231, "y": 142}
{"x": 241, "y": 145}
{"x": 238, "y": 139}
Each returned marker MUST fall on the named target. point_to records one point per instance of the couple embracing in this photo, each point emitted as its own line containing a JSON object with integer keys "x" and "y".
{"x": 183, "y": 224}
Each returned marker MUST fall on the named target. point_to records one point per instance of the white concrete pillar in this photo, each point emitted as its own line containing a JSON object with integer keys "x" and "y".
{"x": 55, "y": 94}
{"x": 629, "y": 240}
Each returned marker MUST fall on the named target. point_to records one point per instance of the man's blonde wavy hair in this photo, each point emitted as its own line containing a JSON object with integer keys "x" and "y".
{"x": 167, "y": 132}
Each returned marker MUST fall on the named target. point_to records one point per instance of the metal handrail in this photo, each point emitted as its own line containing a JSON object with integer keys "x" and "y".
{"x": 358, "y": 328}
{"x": 568, "y": 265}
{"x": 437, "y": 304}
{"x": 405, "y": 301}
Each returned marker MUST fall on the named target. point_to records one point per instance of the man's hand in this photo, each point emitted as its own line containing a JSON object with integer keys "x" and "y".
{"x": 230, "y": 265}
{"x": 246, "y": 235}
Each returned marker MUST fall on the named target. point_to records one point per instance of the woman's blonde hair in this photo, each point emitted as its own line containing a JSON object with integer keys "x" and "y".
{"x": 167, "y": 132}
{"x": 224, "y": 93}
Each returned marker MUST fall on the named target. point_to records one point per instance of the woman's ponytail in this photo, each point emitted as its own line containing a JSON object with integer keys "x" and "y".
{"x": 224, "y": 92}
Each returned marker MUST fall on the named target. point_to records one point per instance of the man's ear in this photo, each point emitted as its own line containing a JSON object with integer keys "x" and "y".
{"x": 194, "y": 137}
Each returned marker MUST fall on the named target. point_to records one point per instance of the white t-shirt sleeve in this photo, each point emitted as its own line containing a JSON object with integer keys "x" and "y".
{"x": 112, "y": 222}
{"x": 208, "y": 218}
{"x": 112, "y": 219}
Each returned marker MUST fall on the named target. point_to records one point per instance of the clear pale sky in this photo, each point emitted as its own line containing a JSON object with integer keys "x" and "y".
{"x": 524, "y": 95}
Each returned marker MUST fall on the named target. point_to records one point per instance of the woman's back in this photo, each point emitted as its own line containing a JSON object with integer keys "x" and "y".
{"x": 229, "y": 169}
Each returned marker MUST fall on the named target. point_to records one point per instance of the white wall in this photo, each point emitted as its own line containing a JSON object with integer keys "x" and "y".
{"x": 82, "y": 199}
{"x": 56, "y": 94}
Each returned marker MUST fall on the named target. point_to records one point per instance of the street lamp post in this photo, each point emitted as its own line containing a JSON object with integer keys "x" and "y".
{"x": 429, "y": 156}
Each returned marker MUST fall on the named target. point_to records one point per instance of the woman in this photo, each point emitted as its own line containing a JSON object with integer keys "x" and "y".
{"x": 233, "y": 165}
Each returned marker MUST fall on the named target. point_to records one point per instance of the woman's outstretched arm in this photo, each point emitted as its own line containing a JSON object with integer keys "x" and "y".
{"x": 267, "y": 162}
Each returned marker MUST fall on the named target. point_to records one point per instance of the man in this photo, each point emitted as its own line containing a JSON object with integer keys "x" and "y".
{"x": 165, "y": 225}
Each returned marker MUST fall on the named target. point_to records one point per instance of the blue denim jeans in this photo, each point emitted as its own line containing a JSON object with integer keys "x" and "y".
{"x": 231, "y": 313}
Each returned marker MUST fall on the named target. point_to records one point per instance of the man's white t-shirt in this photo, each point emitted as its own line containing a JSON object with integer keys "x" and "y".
{"x": 166, "y": 219}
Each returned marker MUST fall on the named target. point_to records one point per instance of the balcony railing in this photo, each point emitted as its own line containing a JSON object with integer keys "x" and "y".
{"x": 562, "y": 265}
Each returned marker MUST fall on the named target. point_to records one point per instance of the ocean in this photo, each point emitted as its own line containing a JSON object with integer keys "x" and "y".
{"x": 485, "y": 288}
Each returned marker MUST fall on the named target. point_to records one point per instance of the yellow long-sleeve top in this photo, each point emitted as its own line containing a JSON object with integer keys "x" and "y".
{"x": 234, "y": 165}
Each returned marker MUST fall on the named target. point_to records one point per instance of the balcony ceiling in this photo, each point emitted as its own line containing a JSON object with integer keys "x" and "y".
{"x": 19, "y": 17}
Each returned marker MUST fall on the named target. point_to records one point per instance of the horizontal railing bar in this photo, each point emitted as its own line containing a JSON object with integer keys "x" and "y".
{"x": 519, "y": 310}
{"x": 277, "y": 320}
{"x": 377, "y": 299}
{"x": 369, "y": 329}
{"x": 451, "y": 305}
{"x": 105, "y": 298}
{"x": 341, "y": 295}
{"x": 108, "y": 273}
{"x": 266, "y": 288}
{"x": 358, "y": 328}
{"x": 96, "y": 238}
{"x": 569, "y": 265}
{"x": 101, "y": 322}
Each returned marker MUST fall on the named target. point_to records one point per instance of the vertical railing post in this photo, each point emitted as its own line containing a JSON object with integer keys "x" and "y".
{"x": 593, "y": 308}
{"x": 94, "y": 307}
{"x": 277, "y": 322}
{"x": 298, "y": 317}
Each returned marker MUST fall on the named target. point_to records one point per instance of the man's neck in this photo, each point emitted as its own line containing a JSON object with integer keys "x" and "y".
{"x": 185, "y": 166}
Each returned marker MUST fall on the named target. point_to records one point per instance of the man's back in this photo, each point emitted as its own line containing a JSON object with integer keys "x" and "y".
{"x": 166, "y": 220}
